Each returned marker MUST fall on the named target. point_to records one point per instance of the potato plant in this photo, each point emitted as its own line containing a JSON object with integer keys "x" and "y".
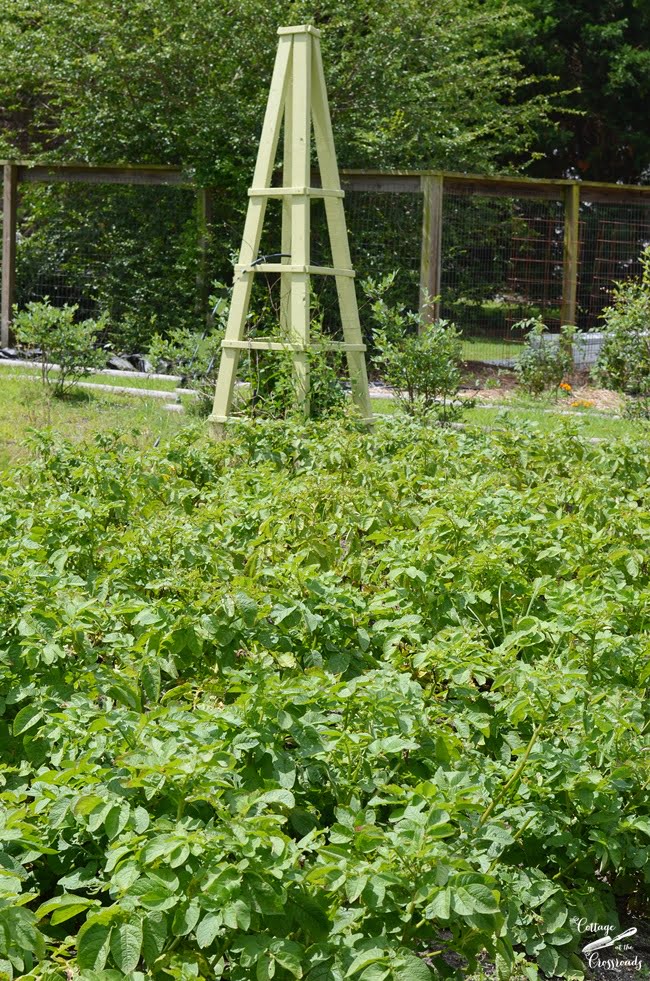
{"x": 317, "y": 703}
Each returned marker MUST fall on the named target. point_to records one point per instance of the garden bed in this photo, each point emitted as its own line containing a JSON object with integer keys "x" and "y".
{"x": 580, "y": 397}
{"x": 325, "y": 699}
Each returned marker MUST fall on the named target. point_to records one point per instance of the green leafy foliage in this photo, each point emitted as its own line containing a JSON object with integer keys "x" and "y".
{"x": 147, "y": 87}
{"x": 419, "y": 358}
{"x": 624, "y": 360}
{"x": 601, "y": 56}
{"x": 67, "y": 348}
{"x": 274, "y": 389}
{"x": 546, "y": 360}
{"x": 194, "y": 356}
{"x": 321, "y": 703}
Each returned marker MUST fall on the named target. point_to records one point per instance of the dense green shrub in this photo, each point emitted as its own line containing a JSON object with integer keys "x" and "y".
{"x": 420, "y": 360}
{"x": 322, "y": 702}
{"x": 545, "y": 360}
{"x": 624, "y": 361}
{"x": 67, "y": 348}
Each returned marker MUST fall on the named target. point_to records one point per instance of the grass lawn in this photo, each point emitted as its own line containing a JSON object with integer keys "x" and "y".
{"x": 24, "y": 408}
{"x": 597, "y": 424}
{"x": 159, "y": 384}
{"x": 587, "y": 423}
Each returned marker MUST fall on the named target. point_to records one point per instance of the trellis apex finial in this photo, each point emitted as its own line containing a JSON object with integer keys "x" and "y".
{"x": 300, "y": 29}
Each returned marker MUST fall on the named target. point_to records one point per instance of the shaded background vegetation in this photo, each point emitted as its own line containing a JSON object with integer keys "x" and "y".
{"x": 539, "y": 86}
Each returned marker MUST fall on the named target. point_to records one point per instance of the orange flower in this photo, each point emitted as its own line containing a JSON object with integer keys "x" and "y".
{"x": 565, "y": 387}
{"x": 582, "y": 404}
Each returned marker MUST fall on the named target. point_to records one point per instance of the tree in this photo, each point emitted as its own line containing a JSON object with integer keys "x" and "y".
{"x": 411, "y": 85}
{"x": 601, "y": 51}
{"x": 185, "y": 81}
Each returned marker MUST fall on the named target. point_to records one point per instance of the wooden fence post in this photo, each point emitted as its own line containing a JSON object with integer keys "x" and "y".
{"x": 431, "y": 247}
{"x": 9, "y": 208}
{"x": 571, "y": 254}
{"x": 204, "y": 217}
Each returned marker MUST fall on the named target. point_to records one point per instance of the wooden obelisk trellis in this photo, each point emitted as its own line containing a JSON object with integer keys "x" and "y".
{"x": 298, "y": 97}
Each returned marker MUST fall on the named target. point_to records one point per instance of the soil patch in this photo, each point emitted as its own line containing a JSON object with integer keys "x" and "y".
{"x": 477, "y": 375}
{"x": 583, "y": 397}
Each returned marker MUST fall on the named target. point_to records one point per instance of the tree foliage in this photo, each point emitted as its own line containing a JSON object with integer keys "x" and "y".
{"x": 182, "y": 81}
{"x": 601, "y": 52}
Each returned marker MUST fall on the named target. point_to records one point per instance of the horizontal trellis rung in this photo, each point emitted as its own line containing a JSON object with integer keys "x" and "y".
{"x": 278, "y": 267}
{"x": 280, "y": 192}
{"x": 267, "y": 344}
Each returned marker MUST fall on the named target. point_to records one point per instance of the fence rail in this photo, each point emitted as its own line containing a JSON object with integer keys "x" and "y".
{"x": 492, "y": 250}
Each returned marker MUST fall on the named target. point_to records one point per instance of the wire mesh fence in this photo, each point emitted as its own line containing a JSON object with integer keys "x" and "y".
{"x": 501, "y": 265}
{"x": 385, "y": 236}
{"x": 126, "y": 251}
{"x": 136, "y": 251}
{"x": 503, "y": 256}
{"x": 612, "y": 237}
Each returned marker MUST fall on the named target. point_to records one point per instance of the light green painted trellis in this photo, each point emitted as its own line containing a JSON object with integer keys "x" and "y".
{"x": 299, "y": 97}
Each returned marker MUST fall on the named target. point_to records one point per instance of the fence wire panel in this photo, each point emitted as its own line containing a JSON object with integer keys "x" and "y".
{"x": 268, "y": 303}
{"x": 146, "y": 256}
{"x": 501, "y": 264}
{"x": 385, "y": 233}
{"x": 612, "y": 237}
{"x": 127, "y": 251}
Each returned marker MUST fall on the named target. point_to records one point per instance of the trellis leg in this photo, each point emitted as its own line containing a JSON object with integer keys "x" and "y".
{"x": 300, "y": 214}
{"x": 339, "y": 237}
{"x": 251, "y": 238}
{"x": 285, "y": 243}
